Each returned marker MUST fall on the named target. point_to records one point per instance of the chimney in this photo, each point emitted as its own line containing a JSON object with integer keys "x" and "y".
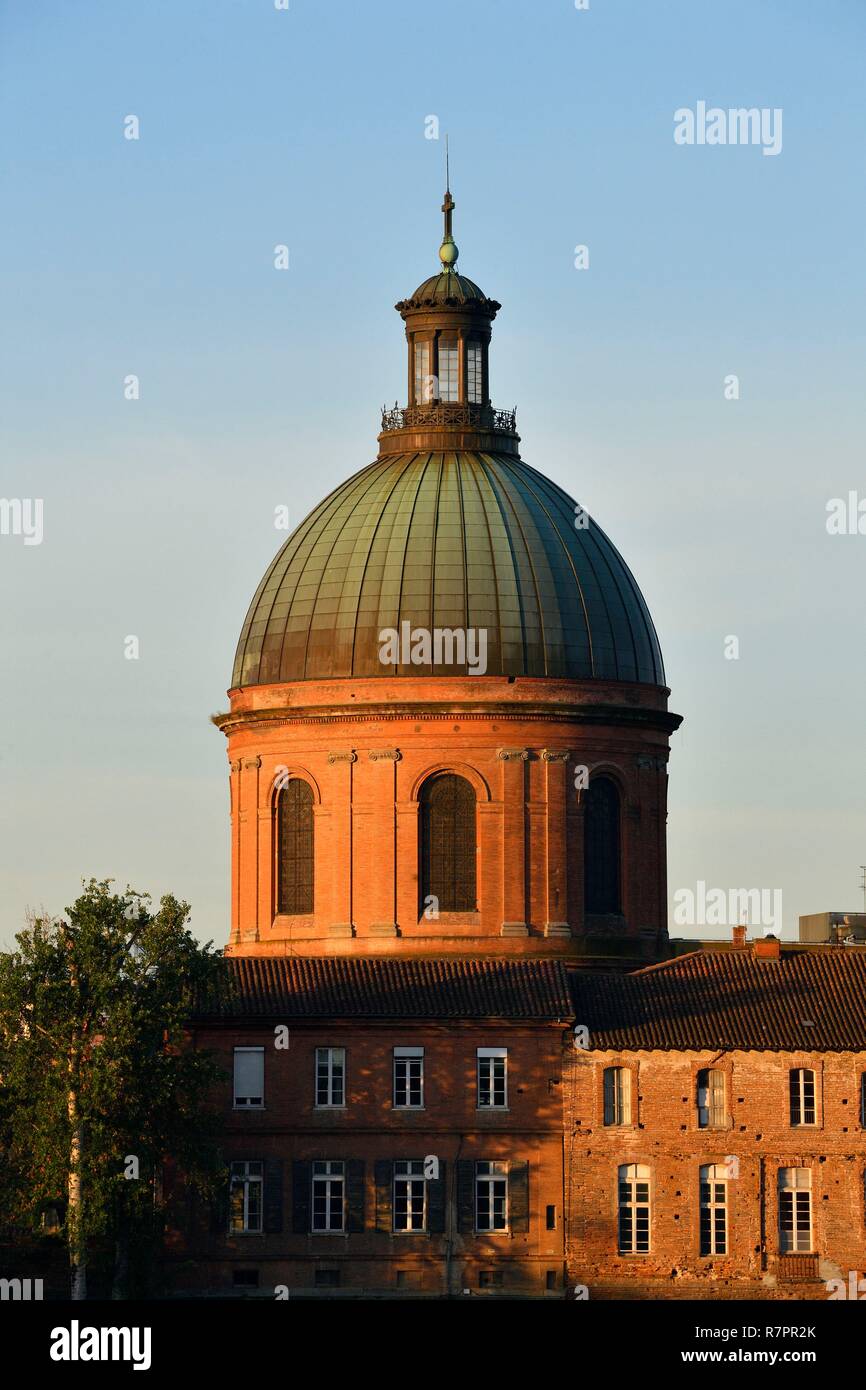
{"x": 766, "y": 947}
{"x": 740, "y": 935}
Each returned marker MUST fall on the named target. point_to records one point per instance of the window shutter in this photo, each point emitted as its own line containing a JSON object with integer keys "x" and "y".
{"x": 355, "y": 1185}
{"x": 436, "y": 1189}
{"x": 384, "y": 1172}
{"x": 465, "y": 1195}
{"x": 219, "y": 1210}
{"x": 301, "y": 1177}
{"x": 272, "y": 1215}
{"x": 518, "y": 1195}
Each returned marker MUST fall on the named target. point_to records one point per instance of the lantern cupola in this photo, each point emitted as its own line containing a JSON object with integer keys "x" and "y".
{"x": 448, "y": 328}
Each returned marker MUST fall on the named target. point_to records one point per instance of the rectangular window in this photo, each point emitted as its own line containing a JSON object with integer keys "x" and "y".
{"x": 492, "y": 1078}
{"x": 802, "y": 1096}
{"x": 551, "y": 1218}
{"x": 714, "y": 1210}
{"x": 329, "y": 1192}
{"x": 409, "y": 1078}
{"x": 795, "y": 1210}
{"x": 712, "y": 1112}
{"x": 448, "y": 369}
{"x": 410, "y": 1195}
{"x": 634, "y": 1209}
{"x": 474, "y": 372}
{"x": 249, "y": 1078}
{"x": 245, "y": 1198}
{"x": 491, "y": 1196}
{"x": 617, "y": 1096}
{"x": 424, "y": 385}
{"x": 330, "y": 1077}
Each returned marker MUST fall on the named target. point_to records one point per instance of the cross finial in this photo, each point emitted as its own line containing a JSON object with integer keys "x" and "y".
{"x": 448, "y": 252}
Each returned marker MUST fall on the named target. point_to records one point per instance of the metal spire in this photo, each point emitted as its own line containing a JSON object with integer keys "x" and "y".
{"x": 448, "y": 252}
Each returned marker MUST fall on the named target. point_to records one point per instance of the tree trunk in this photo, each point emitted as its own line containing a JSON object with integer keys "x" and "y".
{"x": 75, "y": 1212}
{"x": 120, "y": 1282}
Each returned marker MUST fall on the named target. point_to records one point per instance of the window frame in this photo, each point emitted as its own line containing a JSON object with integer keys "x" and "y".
{"x": 250, "y": 1182}
{"x": 491, "y": 1055}
{"x": 496, "y": 1173}
{"x": 716, "y": 1083}
{"x": 630, "y": 1176}
{"x": 621, "y": 1103}
{"x": 801, "y": 1106}
{"x": 330, "y": 1103}
{"x": 709, "y": 1178}
{"x": 405, "y": 1056}
{"x": 787, "y": 1192}
{"x": 250, "y": 1105}
{"x": 328, "y": 1178}
{"x": 411, "y": 1179}
{"x": 280, "y": 803}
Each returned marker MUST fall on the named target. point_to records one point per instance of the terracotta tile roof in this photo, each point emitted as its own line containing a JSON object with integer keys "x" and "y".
{"x": 811, "y": 1001}
{"x": 287, "y": 987}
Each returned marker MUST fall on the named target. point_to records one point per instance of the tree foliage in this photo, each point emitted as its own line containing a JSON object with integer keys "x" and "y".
{"x": 99, "y": 1083}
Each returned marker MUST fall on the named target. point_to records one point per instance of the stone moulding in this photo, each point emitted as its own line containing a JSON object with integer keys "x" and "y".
{"x": 637, "y": 717}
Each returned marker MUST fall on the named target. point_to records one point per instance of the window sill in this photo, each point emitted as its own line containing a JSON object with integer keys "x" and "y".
{"x": 249, "y": 1109}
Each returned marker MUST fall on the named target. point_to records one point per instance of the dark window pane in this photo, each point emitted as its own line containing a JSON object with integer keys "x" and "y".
{"x": 448, "y": 844}
{"x": 295, "y": 849}
{"x": 601, "y": 846}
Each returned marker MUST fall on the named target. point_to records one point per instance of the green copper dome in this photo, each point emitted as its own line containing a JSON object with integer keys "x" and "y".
{"x": 448, "y": 287}
{"x": 449, "y": 540}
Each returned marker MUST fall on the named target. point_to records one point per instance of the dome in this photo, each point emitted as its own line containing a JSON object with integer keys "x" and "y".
{"x": 447, "y": 288}
{"x": 449, "y": 540}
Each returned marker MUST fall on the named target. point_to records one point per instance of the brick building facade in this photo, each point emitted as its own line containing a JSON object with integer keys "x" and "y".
{"x": 448, "y": 741}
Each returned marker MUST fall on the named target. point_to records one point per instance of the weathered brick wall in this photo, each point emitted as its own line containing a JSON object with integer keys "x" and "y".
{"x": 450, "y": 1126}
{"x": 664, "y": 1134}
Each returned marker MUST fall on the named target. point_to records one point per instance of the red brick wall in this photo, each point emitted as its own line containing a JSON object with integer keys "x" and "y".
{"x": 664, "y": 1134}
{"x": 366, "y": 747}
{"x": 450, "y": 1126}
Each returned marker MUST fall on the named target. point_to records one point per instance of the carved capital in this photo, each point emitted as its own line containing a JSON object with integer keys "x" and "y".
{"x": 649, "y": 764}
{"x": 555, "y": 755}
{"x": 350, "y": 757}
{"x": 513, "y": 755}
{"x": 391, "y": 755}
{"x": 247, "y": 763}
{"x": 235, "y": 765}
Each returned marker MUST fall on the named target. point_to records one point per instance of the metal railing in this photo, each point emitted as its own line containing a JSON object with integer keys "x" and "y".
{"x": 449, "y": 413}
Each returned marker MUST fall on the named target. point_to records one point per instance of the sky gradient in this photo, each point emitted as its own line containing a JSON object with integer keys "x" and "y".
{"x": 261, "y": 388}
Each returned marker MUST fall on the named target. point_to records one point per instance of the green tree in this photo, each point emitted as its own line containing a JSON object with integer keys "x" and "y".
{"x": 99, "y": 1085}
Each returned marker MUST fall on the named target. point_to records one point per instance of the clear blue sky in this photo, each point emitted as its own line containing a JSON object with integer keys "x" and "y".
{"x": 261, "y": 388}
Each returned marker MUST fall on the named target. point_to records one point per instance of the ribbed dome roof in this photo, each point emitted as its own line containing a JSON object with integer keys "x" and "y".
{"x": 449, "y": 287}
{"x": 448, "y": 540}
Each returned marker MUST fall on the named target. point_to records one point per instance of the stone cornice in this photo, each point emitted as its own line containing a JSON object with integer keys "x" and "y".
{"x": 633, "y": 716}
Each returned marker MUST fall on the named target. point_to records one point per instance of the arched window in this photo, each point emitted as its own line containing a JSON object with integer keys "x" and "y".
{"x": 601, "y": 856}
{"x": 448, "y": 844}
{"x": 295, "y": 848}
